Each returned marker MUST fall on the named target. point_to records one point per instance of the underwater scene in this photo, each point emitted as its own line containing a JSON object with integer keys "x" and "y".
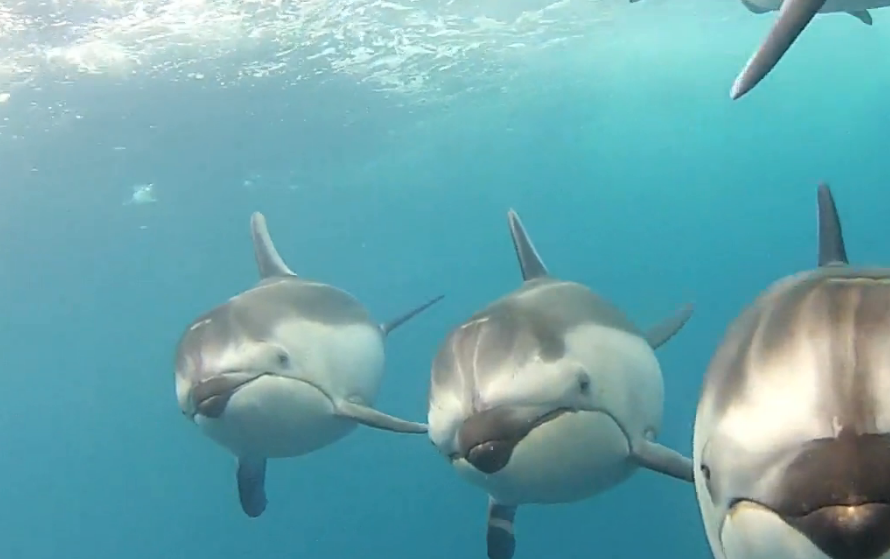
{"x": 342, "y": 279}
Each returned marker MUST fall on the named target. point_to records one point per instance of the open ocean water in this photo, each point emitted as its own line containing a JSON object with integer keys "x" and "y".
{"x": 385, "y": 142}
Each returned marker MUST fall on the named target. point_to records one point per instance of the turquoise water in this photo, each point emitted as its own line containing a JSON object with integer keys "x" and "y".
{"x": 388, "y": 172}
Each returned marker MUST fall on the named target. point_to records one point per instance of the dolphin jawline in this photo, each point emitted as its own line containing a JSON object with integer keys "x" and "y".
{"x": 210, "y": 396}
{"x": 490, "y": 454}
{"x": 514, "y": 437}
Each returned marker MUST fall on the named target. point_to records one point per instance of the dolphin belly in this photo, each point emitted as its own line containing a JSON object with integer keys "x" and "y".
{"x": 569, "y": 458}
{"x": 276, "y": 417}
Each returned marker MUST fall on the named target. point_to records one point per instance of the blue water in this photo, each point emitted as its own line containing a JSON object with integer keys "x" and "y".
{"x": 632, "y": 171}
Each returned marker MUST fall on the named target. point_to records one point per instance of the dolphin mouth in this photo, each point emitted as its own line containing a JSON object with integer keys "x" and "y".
{"x": 487, "y": 439}
{"x": 842, "y": 529}
{"x": 210, "y": 396}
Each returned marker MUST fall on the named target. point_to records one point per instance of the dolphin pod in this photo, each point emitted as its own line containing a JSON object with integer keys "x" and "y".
{"x": 551, "y": 394}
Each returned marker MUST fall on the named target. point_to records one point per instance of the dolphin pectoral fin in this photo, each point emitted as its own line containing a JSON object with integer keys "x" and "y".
{"x": 659, "y": 334}
{"x": 378, "y": 420}
{"x": 863, "y": 16}
{"x": 530, "y": 262}
{"x": 661, "y": 459}
{"x": 388, "y": 327}
{"x": 500, "y": 539}
{"x": 794, "y": 16}
{"x": 252, "y": 485}
{"x": 268, "y": 261}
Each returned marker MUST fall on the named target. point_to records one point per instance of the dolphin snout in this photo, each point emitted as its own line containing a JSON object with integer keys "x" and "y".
{"x": 848, "y": 532}
{"x": 487, "y": 439}
{"x": 836, "y": 493}
{"x": 211, "y": 395}
{"x": 492, "y": 456}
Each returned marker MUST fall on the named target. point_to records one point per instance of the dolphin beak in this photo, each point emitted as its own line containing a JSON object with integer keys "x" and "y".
{"x": 832, "y": 532}
{"x": 211, "y": 395}
{"x": 487, "y": 439}
{"x": 834, "y": 492}
{"x": 847, "y": 531}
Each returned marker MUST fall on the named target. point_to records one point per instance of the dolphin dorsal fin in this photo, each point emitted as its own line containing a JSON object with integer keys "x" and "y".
{"x": 268, "y": 260}
{"x": 832, "y": 251}
{"x": 529, "y": 260}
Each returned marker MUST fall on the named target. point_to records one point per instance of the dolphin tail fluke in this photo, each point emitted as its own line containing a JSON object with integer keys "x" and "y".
{"x": 832, "y": 251}
{"x": 378, "y": 420}
{"x": 661, "y": 459}
{"x": 662, "y": 332}
{"x": 388, "y": 327}
{"x": 794, "y": 16}
{"x": 863, "y": 16}
{"x": 268, "y": 261}
{"x": 500, "y": 539}
{"x": 252, "y": 485}
{"x": 529, "y": 260}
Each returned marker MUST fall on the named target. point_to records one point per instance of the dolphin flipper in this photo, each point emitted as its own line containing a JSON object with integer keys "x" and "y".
{"x": 661, "y": 459}
{"x": 863, "y": 16}
{"x": 500, "y": 539}
{"x": 252, "y": 485}
{"x": 659, "y": 334}
{"x": 388, "y": 327}
{"x": 377, "y": 419}
{"x": 794, "y": 15}
{"x": 268, "y": 261}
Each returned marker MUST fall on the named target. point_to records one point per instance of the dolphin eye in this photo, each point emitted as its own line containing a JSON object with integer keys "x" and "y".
{"x": 584, "y": 383}
{"x": 283, "y": 359}
{"x": 706, "y": 472}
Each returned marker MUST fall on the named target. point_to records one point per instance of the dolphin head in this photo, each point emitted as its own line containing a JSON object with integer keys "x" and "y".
{"x": 214, "y": 361}
{"x": 792, "y": 434}
{"x": 496, "y": 379}
{"x": 528, "y": 382}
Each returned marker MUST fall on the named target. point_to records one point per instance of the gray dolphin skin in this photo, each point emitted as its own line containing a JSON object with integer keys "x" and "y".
{"x": 285, "y": 368}
{"x": 544, "y": 354}
{"x": 792, "y": 432}
{"x": 794, "y": 16}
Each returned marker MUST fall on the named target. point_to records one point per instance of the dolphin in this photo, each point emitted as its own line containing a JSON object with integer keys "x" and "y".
{"x": 794, "y": 16}
{"x": 550, "y": 394}
{"x": 283, "y": 369}
{"x": 791, "y": 441}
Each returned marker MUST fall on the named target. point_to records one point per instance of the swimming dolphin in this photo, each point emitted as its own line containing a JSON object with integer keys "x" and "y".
{"x": 792, "y": 432}
{"x": 549, "y": 395}
{"x": 283, "y": 369}
{"x": 794, "y": 15}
